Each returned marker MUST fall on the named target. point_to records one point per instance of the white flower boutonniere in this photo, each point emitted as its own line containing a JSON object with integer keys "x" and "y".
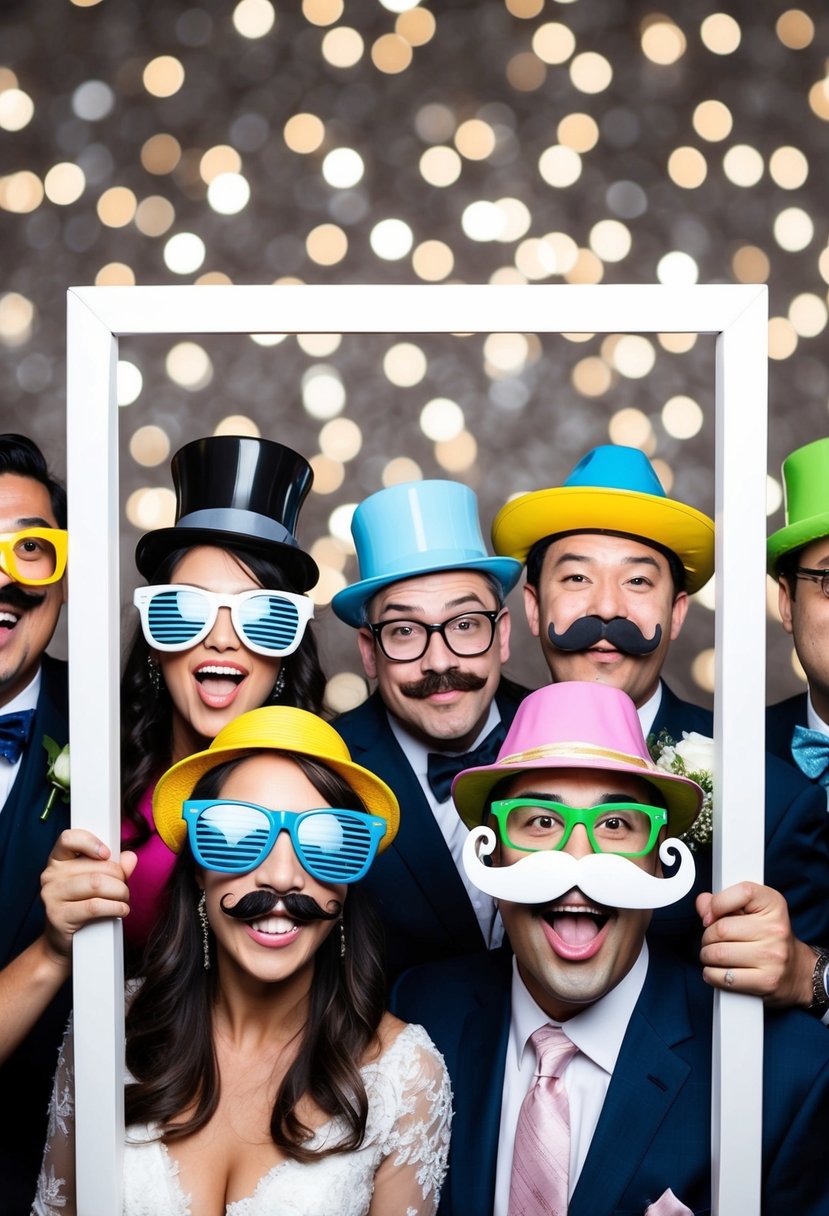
{"x": 692, "y": 756}
{"x": 57, "y": 773}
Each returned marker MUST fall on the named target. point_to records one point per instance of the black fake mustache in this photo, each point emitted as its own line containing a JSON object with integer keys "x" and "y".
{"x": 622, "y": 634}
{"x": 442, "y": 681}
{"x": 303, "y": 909}
{"x": 14, "y": 596}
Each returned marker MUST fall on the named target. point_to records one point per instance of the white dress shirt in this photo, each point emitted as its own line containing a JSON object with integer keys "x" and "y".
{"x": 597, "y": 1033}
{"x": 27, "y": 699}
{"x": 647, "y": 712}
{"x": 813, "y": 718}
{"x": 452, "y": 827}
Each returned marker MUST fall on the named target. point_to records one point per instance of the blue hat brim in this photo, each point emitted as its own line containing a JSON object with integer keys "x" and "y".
{"x": 349, "y": 604}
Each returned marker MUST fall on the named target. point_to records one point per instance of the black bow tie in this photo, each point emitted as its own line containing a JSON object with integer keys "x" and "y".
{"x": 14, "y": 733}
{"x": 441, "y": 770}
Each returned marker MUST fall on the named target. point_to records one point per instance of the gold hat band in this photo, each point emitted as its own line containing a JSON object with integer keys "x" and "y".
{"x": 575, "y": 750}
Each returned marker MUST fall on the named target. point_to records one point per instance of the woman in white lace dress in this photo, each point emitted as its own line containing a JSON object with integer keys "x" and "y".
{"x": 264, "y": 1077}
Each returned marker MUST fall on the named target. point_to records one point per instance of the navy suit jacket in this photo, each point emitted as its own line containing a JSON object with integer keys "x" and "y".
{"x": 655, "y": 1127}
{"x": 781, "y": 719}
{"x": 422, "y": 900}
{"x": 797, "y": 840}
{"x": 25, "y": 843}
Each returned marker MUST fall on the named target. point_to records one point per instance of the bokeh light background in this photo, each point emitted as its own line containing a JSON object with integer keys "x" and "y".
{"x": 385, "y": 141}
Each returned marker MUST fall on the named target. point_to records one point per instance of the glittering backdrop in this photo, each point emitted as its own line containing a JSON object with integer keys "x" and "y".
{"x": 493, "y": 141}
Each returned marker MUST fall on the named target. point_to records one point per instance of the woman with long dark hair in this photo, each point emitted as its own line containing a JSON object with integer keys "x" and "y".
{"x": 265, "y": 1078}
{"x": 224, "y": 628}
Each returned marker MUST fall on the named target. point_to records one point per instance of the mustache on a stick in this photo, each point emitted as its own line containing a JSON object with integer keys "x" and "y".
{"x": 606, "y": 878}
{"x": 622, "y": 634}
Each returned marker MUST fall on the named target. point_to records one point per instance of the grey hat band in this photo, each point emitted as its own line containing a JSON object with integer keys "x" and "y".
{"x": 234, "y": 519}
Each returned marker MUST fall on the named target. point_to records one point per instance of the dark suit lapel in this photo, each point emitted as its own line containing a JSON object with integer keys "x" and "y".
{"x": 674, "y": 716}
{"x": 25, "y": 840}
{"x": 781, "y": 719}
{"x": 478, "y": 1086}
{"x": 646, "y": 1081}
{"x": 419, "y": 844}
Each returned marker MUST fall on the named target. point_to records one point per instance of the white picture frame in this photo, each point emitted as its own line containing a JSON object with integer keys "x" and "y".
{"x": 98, "y": 316}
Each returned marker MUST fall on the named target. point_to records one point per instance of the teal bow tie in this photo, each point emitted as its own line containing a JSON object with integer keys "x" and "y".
{"x": 810, "y": 751}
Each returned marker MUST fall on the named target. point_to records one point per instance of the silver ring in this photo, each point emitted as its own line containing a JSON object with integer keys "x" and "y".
{"x": 729, "y": 977}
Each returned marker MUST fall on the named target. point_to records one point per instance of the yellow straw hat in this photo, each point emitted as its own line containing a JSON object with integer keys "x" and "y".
{"x": 278, "y": 728}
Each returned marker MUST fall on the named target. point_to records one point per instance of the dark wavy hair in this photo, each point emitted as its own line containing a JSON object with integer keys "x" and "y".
{"x": 147, "y": 715}
{"x": 170, "y": 1048}
{"x": 22, "y": 456}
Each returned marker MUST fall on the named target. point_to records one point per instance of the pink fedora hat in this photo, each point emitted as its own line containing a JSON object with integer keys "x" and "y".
{"x": 577, "y": 725}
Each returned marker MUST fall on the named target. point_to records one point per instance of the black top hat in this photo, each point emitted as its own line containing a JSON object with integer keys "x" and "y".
{"x": 235, "y": 490}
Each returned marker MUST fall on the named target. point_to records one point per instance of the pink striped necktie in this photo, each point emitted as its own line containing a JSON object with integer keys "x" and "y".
{"x": 541, "y": 1158}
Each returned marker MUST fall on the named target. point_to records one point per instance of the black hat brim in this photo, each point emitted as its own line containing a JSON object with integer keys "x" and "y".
{"x": 299, "y": 567}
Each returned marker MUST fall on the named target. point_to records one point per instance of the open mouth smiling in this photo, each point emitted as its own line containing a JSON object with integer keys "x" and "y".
{"x": 575, "y": 924}
{"x": 575, "y": 930}
{"x": 218, "y": 684}
{"x": 8, "y": 618}
{"x": 274, "y": 925}
{"x": 208, "y": 673}
{"x": 209, "y": 670}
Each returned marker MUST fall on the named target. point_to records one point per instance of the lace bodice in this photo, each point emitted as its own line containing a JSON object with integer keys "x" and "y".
{"x": 397, "y": 1171}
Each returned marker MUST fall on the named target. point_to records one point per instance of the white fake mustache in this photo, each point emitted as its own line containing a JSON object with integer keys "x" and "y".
{"x": 605, "y": 878}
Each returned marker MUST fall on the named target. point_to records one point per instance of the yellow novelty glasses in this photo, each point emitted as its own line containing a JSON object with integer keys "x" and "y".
{"x": 34, "y": 556}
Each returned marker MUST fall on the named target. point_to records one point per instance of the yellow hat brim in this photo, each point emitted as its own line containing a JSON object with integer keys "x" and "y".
{"x": 688, "y": 533}
{"x": 279, "y": 729}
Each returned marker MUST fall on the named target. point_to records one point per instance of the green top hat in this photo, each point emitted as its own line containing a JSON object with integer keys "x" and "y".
{"x": 806, "y": 486}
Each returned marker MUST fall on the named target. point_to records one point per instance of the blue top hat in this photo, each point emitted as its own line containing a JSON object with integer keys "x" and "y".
{"x": 418, "y": 527}
{"x": 612, "y": 489}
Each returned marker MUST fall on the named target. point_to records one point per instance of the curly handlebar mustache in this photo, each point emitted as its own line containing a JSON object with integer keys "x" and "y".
{"x": 622, "y": 634}
{"x": 300, "y": 908}
{"x": 606, "y": 878}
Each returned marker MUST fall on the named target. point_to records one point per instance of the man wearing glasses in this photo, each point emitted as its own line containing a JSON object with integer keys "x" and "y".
{"x": 581, "y": 1061}
{"x": 33, "y": 706}
{"x": 433, "y": 632}
{"x": 611, "y": 561}
{"x": 798, "y": 557}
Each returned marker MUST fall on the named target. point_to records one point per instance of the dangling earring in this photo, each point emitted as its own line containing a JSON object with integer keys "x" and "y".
{"x": 202, "y": 910}
{"x": 342, "y": 939}
{"x": 279, "y": 686}
{"x": 154, "y": 672}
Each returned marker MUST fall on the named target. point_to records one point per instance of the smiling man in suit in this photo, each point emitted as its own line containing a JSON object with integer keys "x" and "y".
{"x": 611, "y": 561}
{"x": 33, "y": 705}
{"x": 798, "y": 557}
{"x": 433, "y": 632}
{"x": 581, "y": 1063}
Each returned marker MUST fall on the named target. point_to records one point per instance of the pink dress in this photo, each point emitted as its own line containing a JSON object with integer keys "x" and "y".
{"x": 149, "y": 879}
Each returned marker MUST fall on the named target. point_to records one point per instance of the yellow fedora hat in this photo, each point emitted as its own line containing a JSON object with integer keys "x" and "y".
{"x": 612, "y": 489}
{"x": 277, "y": 728}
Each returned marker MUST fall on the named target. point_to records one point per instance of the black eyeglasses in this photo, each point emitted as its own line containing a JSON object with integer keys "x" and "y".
{"x": 466, "y": 635}
{"x": 814, "y": 576}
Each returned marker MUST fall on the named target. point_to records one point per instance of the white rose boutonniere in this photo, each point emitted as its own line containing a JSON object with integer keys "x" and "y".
{"x": 692, "y": 756}
{"x": 57, "y": 773}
